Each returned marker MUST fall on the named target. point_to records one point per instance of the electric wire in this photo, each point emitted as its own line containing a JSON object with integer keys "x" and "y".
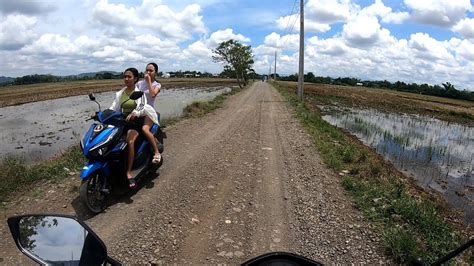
{"x": 290, "y": 17}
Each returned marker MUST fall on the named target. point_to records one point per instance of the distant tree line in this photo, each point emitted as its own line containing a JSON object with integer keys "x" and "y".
{"x": 37, "y": 78}
{"x": 445, "y": 90}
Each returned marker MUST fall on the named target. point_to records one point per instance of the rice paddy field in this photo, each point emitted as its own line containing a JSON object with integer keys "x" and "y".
{"x": 429, "y": 139}
{"x": 19, "y": 94}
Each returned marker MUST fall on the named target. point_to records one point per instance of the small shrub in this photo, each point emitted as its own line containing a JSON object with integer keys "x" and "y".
{"x": 401, "y": 244}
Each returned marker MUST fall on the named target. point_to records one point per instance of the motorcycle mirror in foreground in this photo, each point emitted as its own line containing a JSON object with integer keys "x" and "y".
{"x": 91, "y": 97}
{"x": 58, "y": 239}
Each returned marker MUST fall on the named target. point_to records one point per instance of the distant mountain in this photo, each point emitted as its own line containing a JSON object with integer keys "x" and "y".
{"x": 92, "y": 74}
{"x": 4, "y": 80}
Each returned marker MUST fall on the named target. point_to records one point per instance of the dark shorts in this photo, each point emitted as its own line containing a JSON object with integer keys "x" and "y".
{"x": 137, "y": 125}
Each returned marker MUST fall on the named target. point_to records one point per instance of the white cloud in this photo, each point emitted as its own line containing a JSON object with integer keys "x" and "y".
{"x": 428, "y": 48}
{"x": 150, "y": 16}
{"x": 465, "y": 27}
{"x": 377, "y": 9}
{"x": 311, "y": 26}
{"x": 333, "y": 47}
{"x": 384, "y": 12}
{"x": 396, "y": 18}
{"x": 224, "y": 35}
{"x": 16, "y": 31}
{"x": 444, "y": 13}
{"x": 170, "y": 24}
{"x": 362, "y": 31}
{"x": 51, "y": 44}
{"x": 287, "y": 42}
{"x": 84, "y": 43}
{"x": 118, "y": 55}
{"x": 464, "y": 49}
{"x": 328, "y": 11}
{"x": 115, "y": 15}
{"x": 198, "y": 49}
{"x": 291, "y": 24}
{"x": 153, "y": 47}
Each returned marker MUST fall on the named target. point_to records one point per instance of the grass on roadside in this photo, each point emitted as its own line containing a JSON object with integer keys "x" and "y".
{"x": 16, "y": 174}
{"x": 412, "y": 227}
{"x": 201, "y": 108}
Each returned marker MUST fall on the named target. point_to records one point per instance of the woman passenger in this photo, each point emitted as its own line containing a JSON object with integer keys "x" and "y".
{"x": 135, "y": 110}
{"x": 151, "y": 87}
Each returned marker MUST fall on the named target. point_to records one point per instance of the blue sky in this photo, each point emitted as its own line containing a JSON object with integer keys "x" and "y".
{"x": 430, "y": 41}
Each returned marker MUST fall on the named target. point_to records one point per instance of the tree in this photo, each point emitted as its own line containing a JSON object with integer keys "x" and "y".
{"x": 236, "y": 57}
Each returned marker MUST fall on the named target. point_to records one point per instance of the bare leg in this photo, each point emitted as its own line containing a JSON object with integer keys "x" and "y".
{"x": 131, "y": 137}
{"x": 147, "y": 124}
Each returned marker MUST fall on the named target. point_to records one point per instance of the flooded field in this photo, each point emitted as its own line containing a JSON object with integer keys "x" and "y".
{"x": 438, "y": 154}
{"x": 40, "y": 130}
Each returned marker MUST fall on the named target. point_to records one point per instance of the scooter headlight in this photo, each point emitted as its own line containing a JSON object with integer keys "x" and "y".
{"x": 102, "y": 143}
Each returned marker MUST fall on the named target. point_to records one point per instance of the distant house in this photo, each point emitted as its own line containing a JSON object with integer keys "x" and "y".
{"x": 166, "y": 75}
{"x": 359, "y": 84}
{"x": 188, "y": 75}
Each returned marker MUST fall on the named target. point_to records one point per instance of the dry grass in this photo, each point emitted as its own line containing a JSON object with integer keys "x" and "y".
{"x": 19, "y": 94}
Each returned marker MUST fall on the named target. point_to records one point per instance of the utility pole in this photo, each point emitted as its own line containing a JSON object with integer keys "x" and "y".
{"x": 301, "y": 61}
{"x": 269, "y": 73}
{"x": 275, "y": 68}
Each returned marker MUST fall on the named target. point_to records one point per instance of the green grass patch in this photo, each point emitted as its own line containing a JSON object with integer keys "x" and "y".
{"x": 411, "y": 227}
{"x": 16, "y": 174}
{"x": 201, "y": 108}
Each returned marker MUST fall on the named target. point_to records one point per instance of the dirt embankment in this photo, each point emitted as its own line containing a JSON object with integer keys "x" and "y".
{"x": 237, "y": 183}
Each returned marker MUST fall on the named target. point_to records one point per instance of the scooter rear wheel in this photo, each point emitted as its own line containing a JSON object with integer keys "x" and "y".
{"x": 91, "y": 194}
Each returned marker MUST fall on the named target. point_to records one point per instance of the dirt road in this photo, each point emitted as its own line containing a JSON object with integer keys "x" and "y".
{"x": 237, "y": 183}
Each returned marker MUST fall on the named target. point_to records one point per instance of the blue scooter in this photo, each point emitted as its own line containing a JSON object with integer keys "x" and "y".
{"x": 105, "y": 146}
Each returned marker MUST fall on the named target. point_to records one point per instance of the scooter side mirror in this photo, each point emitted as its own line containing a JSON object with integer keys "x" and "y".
{"x": 135, "y": 95}
{"x": 91, "y": 97}
{"x": 57, "y": 239}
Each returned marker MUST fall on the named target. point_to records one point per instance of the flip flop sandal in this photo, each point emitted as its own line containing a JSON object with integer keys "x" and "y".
{"x": 131, "y": 183}
{"x": 156, "y": 159}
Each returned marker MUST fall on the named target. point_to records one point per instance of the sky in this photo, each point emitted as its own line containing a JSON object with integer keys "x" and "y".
{"x": 414, "y": 41}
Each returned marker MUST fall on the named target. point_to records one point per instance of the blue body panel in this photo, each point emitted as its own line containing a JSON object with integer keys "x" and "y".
{"x": 90, "y": 142}
{"x": 92, "y": 167}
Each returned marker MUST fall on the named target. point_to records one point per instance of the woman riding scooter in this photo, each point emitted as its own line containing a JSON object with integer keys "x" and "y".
{"x": 136, "y": 111}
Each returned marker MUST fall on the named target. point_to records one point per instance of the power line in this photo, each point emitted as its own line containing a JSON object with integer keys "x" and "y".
{"x": 290, "y": 17}
{"x": 294, "y": 22}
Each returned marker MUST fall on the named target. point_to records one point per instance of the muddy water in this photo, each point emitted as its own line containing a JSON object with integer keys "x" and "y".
{"x": 37, "y": 131}
{"x": 438, "y": 154}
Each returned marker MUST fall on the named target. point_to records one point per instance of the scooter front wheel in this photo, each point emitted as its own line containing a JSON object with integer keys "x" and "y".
{"x": 91, "y": 194}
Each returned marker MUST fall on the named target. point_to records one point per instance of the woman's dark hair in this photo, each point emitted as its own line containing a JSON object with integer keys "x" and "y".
{"x": 134, "y": 72}
{"x": 154, "y": 65}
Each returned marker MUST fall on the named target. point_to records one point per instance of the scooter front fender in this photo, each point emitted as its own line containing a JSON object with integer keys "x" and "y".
{"x": 91, "y": 167}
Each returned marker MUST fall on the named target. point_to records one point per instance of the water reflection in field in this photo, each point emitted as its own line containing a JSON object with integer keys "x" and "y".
{"x": 438, "y": 154}
{"x": 39, "y": 130}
